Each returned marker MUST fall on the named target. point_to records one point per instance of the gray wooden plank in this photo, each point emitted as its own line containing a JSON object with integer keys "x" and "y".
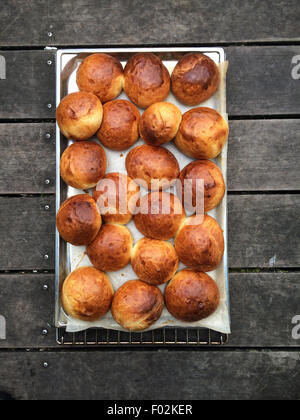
{"x": 152, "y": 375}
{"x": 260, "y": 82}
{"x": 263, "y": 306}
{"x": 27, "y": 158}
{"x": 27, "y": 231}
{"x": 263, "y": 80}
{"x": 258, "y": 159}
{"x": 264, "y": 155}
{"x": 29, "y": 86}
{"x": 28, "y": 309}
{"x": 130, "y": 22}
{"x": 264, "y": 231}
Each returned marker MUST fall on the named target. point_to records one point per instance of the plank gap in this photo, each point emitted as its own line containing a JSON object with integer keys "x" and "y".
{"x": 276, "y": 43}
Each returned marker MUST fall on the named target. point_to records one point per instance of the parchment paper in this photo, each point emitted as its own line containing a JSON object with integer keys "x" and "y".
{"x": 220, "y": 320}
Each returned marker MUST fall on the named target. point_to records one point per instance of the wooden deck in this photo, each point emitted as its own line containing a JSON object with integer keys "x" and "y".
{"x": 262, "y": 359}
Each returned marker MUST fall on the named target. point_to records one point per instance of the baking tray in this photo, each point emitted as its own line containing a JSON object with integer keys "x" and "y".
{"x": 66, "y": 65}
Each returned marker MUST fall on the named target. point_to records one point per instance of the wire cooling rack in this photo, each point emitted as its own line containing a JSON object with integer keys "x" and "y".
{"x": 162, "y": 337}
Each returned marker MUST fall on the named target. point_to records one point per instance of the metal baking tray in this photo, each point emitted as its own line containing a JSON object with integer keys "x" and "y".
{"x": 66, "y": 64}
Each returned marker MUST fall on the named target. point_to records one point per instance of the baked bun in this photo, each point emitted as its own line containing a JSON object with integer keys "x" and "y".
{"x": 111, "y": 250}
{"x": 214, "y": 185}
{"x": 159, "y": 124}
{"x": 146, "y": 80}
{"x": 116, "y": 196}
{"x": 78, "y": 220}
{"x": 159, "y": 215}
{"x": 154, "y": 262}
{"x": 192, "y": 296}
{"x": 154, "y": 166}
{"x": 83, "y": 164}
{"x": 120, "y": 125}
{"x": 202, "y": 133}
{"x": 79, "y": 115}
{"x": 195, "y": 79}
{"x": 200, "y": 246}
{"x": 137, "y": 305}
{"x": 102, "y": 75}
{"x": 87, "y": 294}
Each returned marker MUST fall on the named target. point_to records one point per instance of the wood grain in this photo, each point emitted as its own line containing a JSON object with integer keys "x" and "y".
{"x": 29, "y": 86}
{"x": 262, "y": 308}
{"x": 263, "y": 156}
{"x": 264, "y": 89}
{"x": 263, "y": 232}
{"x": 28, "y": 309}
{"x": 151, "y": 375}
{"x": 124, "y": 22}
{"x": 27, "y": 158}
{"x": 27, "y": 232}
{"x": 260, "y": 81}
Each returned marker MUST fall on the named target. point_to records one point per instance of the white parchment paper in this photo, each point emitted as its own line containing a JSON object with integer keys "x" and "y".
{"x": 220, "y": 320}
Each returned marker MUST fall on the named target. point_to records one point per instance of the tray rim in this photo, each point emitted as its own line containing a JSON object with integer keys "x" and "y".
{"x": 59, "y": 54}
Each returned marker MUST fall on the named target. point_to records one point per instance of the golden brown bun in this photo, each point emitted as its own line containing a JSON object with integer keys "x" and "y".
{"x": 120, "y": 125}
{"x": 202, "y": 133}
{"x": 146, "y": 80}
{"x": 159, "y": 216}
{"x": 102, "y": 75}
{"x": 160, "y": 123}
{"x": 192, "y": 296}
{"x": 87, "y": 294}
{"x": 214, "y": 186}
{"x": 121, "y": 192}
{"x": 79, "y": 115}
{"x": 78, "y": 220}
{"x": 111, "y": 250}
{"x": 200, "y": 246}
{"x": 137, "y": 305}
{"x": 83, "y": 164}
{"x": 195, "y": 79}
{"x": 155, "y": 166}
{"x": 154, "y": 262}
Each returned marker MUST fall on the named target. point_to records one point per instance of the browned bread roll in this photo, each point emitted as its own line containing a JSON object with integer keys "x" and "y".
{"x": 200, "y": 245}
{"x": 111, "y": 250}
{"x": 154, "y": 167}
{"x": 87, "y": 294}
{"x": 146, "y": 79}
{"x": 83, "y": 164}
{"x": 154, "y": 262}
{"x": 202, "y": 133}
{"x": 191, "y": 296}
{"x": 159, "y": 215}
{"x": 102, "y": 75}
{"x": 137, "y": 305}
{"x": 78, "y": 220}
{"x": 120, "y": 126}
{"x": 214, "y": 185}
{"x": 116, "y": 196}
{"x": 159, "y": 124}
{"x": 79, "y": 115}
{"x": 195, "y": 79}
